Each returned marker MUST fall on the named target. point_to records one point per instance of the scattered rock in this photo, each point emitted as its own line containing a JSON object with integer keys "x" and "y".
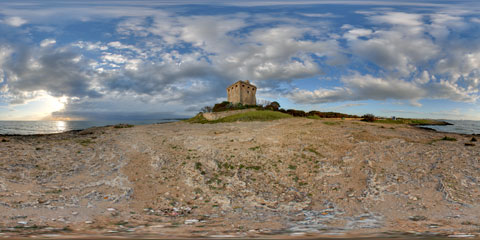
{"x": 469, "y": 144}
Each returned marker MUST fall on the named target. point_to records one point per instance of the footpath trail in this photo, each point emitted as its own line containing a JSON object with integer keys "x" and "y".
{"x": 290, "y": 177}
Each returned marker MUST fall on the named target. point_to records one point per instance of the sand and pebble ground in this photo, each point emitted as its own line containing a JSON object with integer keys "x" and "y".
{"x": 291, "y": 178}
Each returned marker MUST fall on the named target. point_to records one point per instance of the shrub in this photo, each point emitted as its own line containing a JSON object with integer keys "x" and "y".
{"x": 223, "y": 106}
{"x": 473, "y": 139}
{"x": 369, "y": 118}
{"x": 296, "y": 113}
{"x": 206, "y": 109}
{"x": 274, "y": 106}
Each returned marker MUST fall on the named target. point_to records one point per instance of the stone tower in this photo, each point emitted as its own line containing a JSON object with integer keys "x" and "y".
{"x": 242, "y": 92}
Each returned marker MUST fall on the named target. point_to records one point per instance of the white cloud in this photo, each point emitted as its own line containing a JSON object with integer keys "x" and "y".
{"x": 47, "y": 42}
{"x": 15, "y": 21}
{"x": 398, "y": 18}
{"x": 319, "y": 15}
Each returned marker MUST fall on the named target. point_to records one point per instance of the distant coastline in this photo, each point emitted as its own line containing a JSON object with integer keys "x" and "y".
{"x": 9, "y": 128}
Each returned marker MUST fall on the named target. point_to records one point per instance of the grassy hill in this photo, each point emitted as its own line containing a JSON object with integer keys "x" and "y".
{"x": 243, "y": 117}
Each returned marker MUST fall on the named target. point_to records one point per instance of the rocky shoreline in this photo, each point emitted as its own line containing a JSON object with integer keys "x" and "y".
{"x": 293, "y": 177}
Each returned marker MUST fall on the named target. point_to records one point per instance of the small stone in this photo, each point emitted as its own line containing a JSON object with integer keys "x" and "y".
{"x": 191, "y": 221}
{"x": 22, "y": 222}
{"x": 74, "y": 213}
{"x": 88, "y": 222}
{"x": 413, "y": 198}
{"x": 111, "y": 209}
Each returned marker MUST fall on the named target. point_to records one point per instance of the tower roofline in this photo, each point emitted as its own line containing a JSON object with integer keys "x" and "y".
{"x": 243, "y": 82}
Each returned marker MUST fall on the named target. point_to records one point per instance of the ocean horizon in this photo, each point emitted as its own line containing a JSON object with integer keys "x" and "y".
{"x": 52, "y": 126}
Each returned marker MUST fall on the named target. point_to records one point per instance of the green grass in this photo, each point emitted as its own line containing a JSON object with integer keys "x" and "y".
{"x": 314, "y": 117}
{"x": 243, "y": 117}
{"x": 331, "y": 123}
{"x": 448, "y": 139}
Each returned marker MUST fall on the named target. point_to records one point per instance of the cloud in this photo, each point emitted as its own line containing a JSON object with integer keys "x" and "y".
{"x": 14, "y": 21}
{"x": 319, "y": 15}
{"x": 398, "y": 18}
{"x": 47, "y": 42}
{"x": 360, "y": 87}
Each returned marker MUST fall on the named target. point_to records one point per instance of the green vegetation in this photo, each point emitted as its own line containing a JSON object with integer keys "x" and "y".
{"x": 331, "y": 123}
{"x": 446, "y": 138}
{"x": 122, "y": 125}
{"x": 244, "y": 117}
{"x": 254, "y": 148}
{"x": 85, "y": 142}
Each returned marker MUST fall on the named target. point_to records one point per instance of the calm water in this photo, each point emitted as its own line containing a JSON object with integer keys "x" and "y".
{"x": 42, "y": 127}
{"x": 459, "y": 126}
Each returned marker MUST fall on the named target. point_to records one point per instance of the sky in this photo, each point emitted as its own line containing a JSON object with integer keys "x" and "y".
{"x": 144, "y": 60}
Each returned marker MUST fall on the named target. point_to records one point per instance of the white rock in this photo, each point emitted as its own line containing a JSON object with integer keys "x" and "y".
{"x": 74, "y": 213}
{"x": 461, "y": 236}
{"x": 88, "y": 222}
{"x": 111, "y": 209}
{"x": 191, "y": 221}
{"x": 23, "y": 222}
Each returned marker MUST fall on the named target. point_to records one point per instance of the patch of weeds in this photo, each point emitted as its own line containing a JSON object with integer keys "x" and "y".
{"x": 469, "y": 144}
{"x": 254, "y": 148}
{"x": 54, "y": 191}
{"x": 331, "y": 123}
{"x": 241, "y": 166}
{"x": 198, "y": 165}
{"x": 302, "y": 183}
{"x": 473, "y": 139}
{"x": 85, "y": 142}
{"x": 197, "y": 190}
{"x": 122, "y": 125}
{"x": 253, "y": 167}
{"x": 38, "y": 148}
{"x": 292, "y": 167}
{"x": 446, "y": 138}
{"x": 5, "y": 140}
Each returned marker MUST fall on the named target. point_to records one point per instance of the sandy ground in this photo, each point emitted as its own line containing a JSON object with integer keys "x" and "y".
{"x": 291, "y": 178}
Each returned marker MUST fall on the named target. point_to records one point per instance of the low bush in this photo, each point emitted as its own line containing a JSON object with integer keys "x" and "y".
{"x": 296, "y": 113}
{"x": 369, "y": 118}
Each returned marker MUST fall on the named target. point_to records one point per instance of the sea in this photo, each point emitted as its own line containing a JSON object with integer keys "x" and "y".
{"x": 458, "y": 126}
{"x": 48, "y": 127}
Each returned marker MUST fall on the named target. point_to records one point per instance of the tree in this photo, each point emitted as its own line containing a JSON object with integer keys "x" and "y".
{"x": 206, "y": 109}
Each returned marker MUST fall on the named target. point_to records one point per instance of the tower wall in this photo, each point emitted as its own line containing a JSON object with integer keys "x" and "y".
{"x": 242, "y": 92}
